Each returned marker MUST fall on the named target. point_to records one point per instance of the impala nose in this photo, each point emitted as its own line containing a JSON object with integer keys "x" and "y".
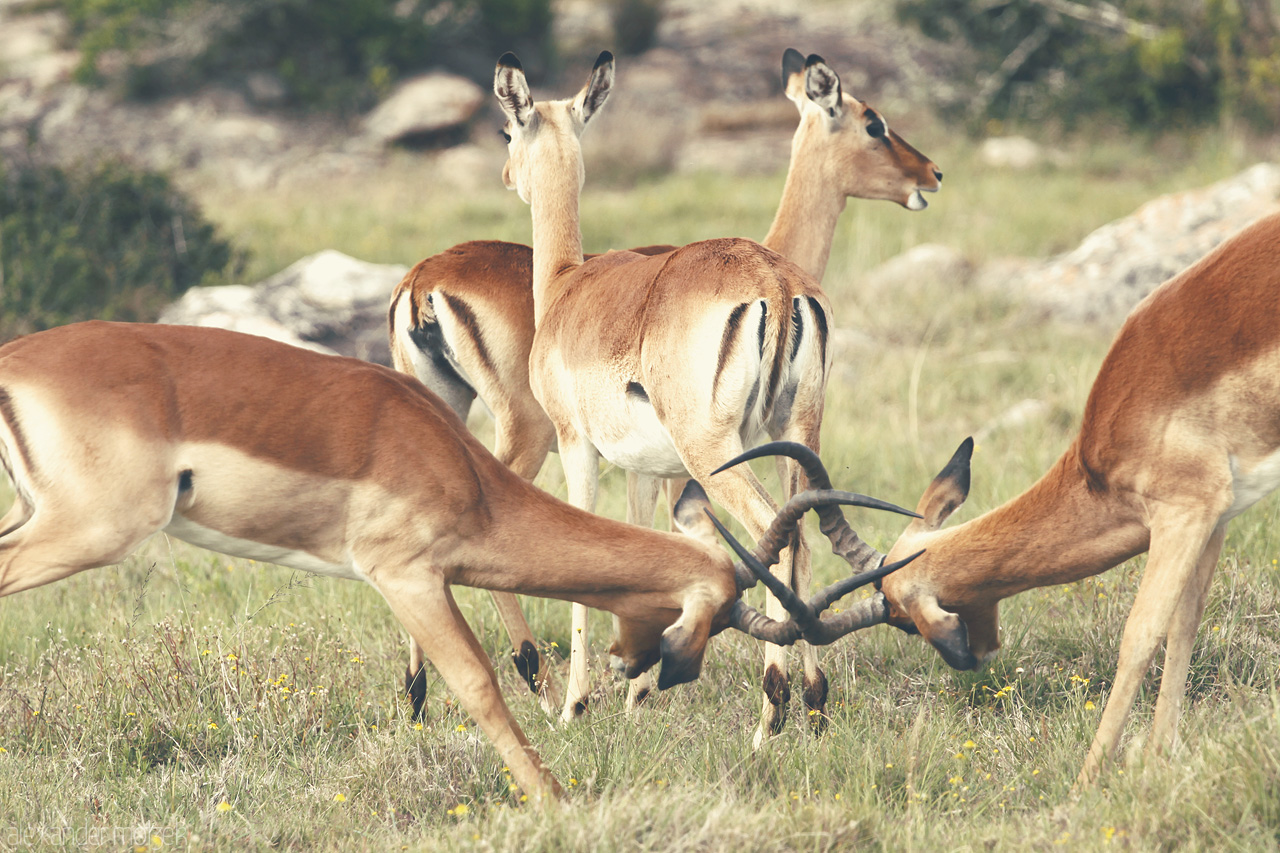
{"x": 937, "y": 173}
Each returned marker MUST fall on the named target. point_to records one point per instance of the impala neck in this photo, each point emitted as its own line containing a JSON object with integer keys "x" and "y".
{"x": 1058, "y": 531}
{"x": 536, "y": 545}
{"x": 557, "y": 236}
{"x": 805, "y": 225}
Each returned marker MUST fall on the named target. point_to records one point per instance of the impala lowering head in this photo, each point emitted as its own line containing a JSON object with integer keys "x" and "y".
{"x": 545, "y": 133}
{"x": 806, "y": 622}
{"x": 850, "y": 142}
{"x": 917, "y": 598}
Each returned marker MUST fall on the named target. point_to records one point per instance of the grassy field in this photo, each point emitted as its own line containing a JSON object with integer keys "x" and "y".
{"x": 187, "y": 700}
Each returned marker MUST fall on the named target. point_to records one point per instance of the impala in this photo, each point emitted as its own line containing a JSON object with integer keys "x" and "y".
{"x": 1180, "y": 434}
{"x": 111, "y": 432}
{"x": 664, "y": 365}
{"x": 462, "y": 321}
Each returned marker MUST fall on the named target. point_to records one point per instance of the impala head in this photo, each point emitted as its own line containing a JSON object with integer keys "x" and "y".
{"x": 545, "y": 135}
{"x": 850, "y": 141}
{"x": 929, "y": 597}
{"x": 711, "y": 611}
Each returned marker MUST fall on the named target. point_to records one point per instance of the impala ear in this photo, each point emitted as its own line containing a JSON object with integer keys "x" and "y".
{"x": 682, "y": 651}
{"x": 822, "y": 86}
{"x": 945, "y": 631}
{"x": 947, "y": 491}
{"x": 683, "y": 646}
{"x": 596, "y": 92}
{"x": 690, "y": 516}
{"x": 793, "y": 77}
{"x": 512, "y": 89}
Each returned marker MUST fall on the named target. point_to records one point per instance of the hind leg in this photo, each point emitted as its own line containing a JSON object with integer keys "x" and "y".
{"x": 52, "y": 546}
{"x": 642, "y": 499}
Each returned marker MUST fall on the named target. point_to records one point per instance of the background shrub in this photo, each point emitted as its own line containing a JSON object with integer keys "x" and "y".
{"x": 1150, "y": 63}
{"x": 328, "y": 54}
{"x": 105, "y": 242}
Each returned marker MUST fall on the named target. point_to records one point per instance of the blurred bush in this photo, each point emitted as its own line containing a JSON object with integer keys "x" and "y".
{"x": 1153, "y": 63}
{"x": 106, "y": 242}
{"x": 635, "y": 24}
{"x": 325, "y": 54}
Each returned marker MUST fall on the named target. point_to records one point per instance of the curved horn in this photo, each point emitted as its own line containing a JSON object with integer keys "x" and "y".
{"x": 784, "y": 523}
{"x": 832, "y": 523}
{"x": 805, "y": 621}
{"x": 750, "y": 621}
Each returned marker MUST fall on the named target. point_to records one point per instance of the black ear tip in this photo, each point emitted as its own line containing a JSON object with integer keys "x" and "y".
{"x": 604, "y": 58}
{"x": 693, "y": 491}
{"x": 792, "y": 62}
{"x": 965, "y": 450}
{"x": 814, "y": 59}
{"x": 510, "y": 60}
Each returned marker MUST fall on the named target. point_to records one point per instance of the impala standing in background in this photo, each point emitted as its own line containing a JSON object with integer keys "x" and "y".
{"x": 1181, "y": 433}
{"x": 462, "y": 321}
{"x": 112, "y": 432}
{"x": 664, "y": 365}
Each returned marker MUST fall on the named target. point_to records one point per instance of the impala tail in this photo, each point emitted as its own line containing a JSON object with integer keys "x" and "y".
{"x": 419, "y": 348}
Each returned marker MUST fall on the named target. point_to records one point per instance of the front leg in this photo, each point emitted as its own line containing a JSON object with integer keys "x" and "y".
{"x": 1178, "y": 646}
{"x": 1178, "y": 539}
{"x": 425, "y": 606}
{"x": 581, "y": 463}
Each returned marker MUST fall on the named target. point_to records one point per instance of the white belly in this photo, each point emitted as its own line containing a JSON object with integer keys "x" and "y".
{"x": 206, "y": 537}
{"x": 643, "y": 445}
{"x": 1253, "y": 486}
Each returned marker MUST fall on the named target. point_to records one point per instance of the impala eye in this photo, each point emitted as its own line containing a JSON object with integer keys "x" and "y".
{"x": 875, "y": 127}
{"x": 505, "y": 135}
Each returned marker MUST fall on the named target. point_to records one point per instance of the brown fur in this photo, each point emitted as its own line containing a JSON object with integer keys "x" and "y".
{"x": 1189, "y": 389}
{"x": 342, "y": 460}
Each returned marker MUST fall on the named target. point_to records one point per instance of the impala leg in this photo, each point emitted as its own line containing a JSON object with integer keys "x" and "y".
{"x": 525, "y": 656}
{"x": 62, "y": 536}
{"x": 1177, "y": 541}
{"x": 523, "y": 436}
{"x": 1178, "y": 646}
{"x": 426, "y": 607}
{"x": 743, "y": 497}
{"x": 415, "y": 678}
{"x": 642, "y": 499}
{"x": 581, "y": 463}
{"x": 815, "y": 680}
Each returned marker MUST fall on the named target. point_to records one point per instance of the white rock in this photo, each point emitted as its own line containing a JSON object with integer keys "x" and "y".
{"x": 1121, "y": 262}
{"x": 326, "y": 301}
{"x": 424, "y": 105}
{"x": 1010, "y": 152}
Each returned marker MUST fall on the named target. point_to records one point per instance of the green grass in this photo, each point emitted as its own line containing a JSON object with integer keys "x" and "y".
{"x": 144, "y": 696}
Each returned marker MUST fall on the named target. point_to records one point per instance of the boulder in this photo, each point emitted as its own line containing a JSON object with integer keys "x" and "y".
{"x": 921, "y": 265}
{"x": 328, "y": 302}
{"x": 1121, "y": 262}
{"x": 424, "y": 107}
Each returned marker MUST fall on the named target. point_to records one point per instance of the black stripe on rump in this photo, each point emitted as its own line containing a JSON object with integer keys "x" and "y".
{"x": 468, "y": 319}
{"x": 10, "y": 415}
{"x": 797, "y": 328}
{"x": 726, "y": 341}
{"x": 820, "y": 316}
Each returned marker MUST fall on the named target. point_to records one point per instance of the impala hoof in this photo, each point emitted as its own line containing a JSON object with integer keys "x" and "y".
{"x": 527, "y": 664}
{"x": 815, "y": 703}
{"x": 415, "y": 688}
